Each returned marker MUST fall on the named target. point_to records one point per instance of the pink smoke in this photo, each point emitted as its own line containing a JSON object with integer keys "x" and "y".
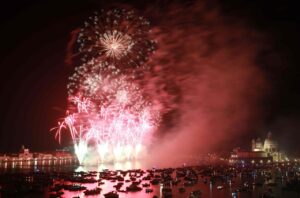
{"x": 207, "y": 62}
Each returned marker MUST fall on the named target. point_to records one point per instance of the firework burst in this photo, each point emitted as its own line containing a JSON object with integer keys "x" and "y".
{"x": 117, "y": 38}
{"x": 108, "y": 109}
{"x": 120, "y": 125}
{"x": 115, "y": 44}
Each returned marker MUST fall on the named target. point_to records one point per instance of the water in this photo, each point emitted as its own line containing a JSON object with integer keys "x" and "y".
{"x": 208, "y": 190}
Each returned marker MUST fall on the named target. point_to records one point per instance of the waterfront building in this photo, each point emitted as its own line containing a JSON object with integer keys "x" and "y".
{"x": 270, "y": 147}
{"x": 266, "y": 151}
{"x": 26, "y": 158}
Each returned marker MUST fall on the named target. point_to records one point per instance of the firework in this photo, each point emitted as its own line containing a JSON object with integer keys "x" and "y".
{"x": 116, "y": 119}
{"x": 108, "y": 110}
{"x": 118, "y": 39}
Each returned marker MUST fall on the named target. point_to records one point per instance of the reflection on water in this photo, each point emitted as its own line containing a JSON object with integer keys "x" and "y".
{"x": 128, "y": 165}
{"x": 208, "y": 187}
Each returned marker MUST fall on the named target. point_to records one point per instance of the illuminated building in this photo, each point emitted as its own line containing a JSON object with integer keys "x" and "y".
{"x": 266, "y": 151}
{"x": 270, "y": 146}
{"x": 26, "y": 158}
{"x": 240, "y": 156}
{"x": 257, "y": 145}
{"x": 25, "y": 154}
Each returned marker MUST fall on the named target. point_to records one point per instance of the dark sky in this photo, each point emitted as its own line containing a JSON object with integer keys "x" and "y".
{"x": 34, "y": 35}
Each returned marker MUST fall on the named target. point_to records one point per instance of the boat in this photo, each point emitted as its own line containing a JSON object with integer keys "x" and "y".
{"x": 111, "y": 194}
{"x": 95, "y": 191}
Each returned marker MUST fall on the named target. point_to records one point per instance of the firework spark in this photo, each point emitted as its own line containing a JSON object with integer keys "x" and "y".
{"x": 116, "y": 119}
{"x": 117, "y": 38}
{"x": 115, "y": 44}
{"x": 108, "y": 110}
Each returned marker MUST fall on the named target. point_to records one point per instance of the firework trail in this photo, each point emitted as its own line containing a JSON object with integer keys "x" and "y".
{"x": 108, "y": 109}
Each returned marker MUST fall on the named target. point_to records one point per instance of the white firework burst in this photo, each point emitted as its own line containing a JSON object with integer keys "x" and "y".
{"x": 115, "y": 44}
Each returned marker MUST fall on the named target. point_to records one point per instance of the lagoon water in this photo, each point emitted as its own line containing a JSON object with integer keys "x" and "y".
{"x": 208, "y": 190}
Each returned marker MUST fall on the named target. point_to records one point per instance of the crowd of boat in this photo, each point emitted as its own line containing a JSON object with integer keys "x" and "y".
{"x": 171, "y": 181}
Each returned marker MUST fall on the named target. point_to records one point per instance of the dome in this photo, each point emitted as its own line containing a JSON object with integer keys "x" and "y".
{"x": 270, "y": 144}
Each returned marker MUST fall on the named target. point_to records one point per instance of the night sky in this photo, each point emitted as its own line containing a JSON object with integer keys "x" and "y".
{"x": 34, "y": 38}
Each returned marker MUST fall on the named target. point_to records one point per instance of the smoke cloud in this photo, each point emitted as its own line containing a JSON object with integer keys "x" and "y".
{"x": 208, "y": 79}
